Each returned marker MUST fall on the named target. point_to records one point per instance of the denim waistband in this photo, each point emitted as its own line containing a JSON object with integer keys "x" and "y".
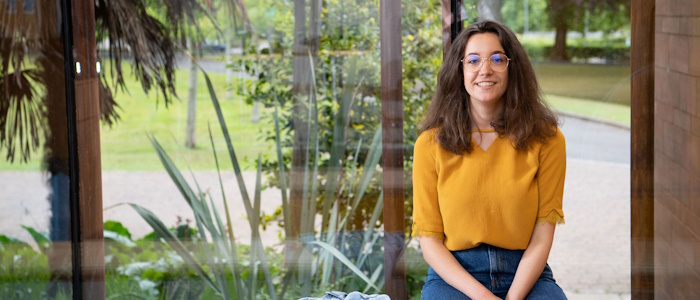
{"x": 494, "y": 267}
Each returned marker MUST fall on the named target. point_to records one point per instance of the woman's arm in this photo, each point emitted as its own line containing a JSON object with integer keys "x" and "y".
{"x": 533, "y": 261}
{"x": 444, "y": 263}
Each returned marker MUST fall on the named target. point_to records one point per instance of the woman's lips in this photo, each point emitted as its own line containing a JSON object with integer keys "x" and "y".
{"x": 485, "y": 84}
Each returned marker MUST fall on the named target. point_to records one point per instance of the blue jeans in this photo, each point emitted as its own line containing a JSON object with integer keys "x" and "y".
{"x": 495, "y": 268}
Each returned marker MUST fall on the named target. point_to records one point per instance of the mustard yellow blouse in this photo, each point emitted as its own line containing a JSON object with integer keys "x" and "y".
{"x": 494, "y": 196}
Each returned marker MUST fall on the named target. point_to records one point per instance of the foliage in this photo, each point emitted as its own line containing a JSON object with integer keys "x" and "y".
{"x": 148, "y": 268}
{"x": 609, "y": 55}
{"x": 606, "y": 16}
{"x": 343, "y": 181}
{"x": 513, "y": 12}
{"x": 348, "y": 96}
{"x": 24, "y": 271}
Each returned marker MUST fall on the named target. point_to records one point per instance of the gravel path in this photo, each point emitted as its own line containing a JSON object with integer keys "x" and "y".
{"x": 24, "y": 201}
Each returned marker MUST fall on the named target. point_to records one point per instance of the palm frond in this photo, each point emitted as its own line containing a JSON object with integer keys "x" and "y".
{"x": 22, "y": 113}
{"x": 133, "y": 33}
{"x": 108, "y": 107}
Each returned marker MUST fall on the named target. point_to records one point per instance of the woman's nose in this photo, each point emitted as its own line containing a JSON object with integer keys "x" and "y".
{"x": 485, "y": 67}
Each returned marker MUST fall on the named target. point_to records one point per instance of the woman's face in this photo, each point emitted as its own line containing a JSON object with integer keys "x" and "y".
{"x": 484, "y": 86}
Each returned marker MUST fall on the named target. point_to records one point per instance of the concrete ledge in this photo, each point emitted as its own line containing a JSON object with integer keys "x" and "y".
{"x": 596, "y": 296}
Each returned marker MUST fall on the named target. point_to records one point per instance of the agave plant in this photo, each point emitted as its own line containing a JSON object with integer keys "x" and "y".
{"x": 317, "y": 259}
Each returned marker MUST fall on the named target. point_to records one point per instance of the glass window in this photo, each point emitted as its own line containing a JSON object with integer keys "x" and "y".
{"x": 581, "y": 55}
{"x": 301, "y": 111}
{"x": 35, "y": 260}
{"x": 242, "y": 146}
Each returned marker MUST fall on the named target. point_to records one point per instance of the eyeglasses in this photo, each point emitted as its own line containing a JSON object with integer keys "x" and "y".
{"x": 498, "y": 62}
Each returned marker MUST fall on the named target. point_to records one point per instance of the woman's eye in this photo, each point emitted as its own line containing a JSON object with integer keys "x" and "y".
{"x": 472, "y": 60}
{"x": 497, "y": 58}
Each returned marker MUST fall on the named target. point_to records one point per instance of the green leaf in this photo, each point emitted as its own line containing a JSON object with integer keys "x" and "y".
{"x": 41, "y": 240}
{"x": 117, "y": 228}
{"x": 233, "y": 255}
{"x": 375, "y": 276}
{"x": 124, "y": 240}
{"x": 342, "y": 258}
{"x": 239, "y": 177}
{"x": 163, "y": 232}
{"x": 371, "y": 161}
{"x": 282, "y": 176}
{"x": 6, "y": 241}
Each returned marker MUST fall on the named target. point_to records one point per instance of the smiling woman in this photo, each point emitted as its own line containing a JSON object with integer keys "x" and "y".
{"x": 485, "y": 82}
{"x": 488, "y": 128}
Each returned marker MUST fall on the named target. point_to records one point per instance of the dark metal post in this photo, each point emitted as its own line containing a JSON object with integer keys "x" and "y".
{"x": 392, "y": 148}
{"x": 67, "y": 36}
{"x": 451, "y": 22}
{"x": 642, "y": 164}
{"x": 456, "y": 26}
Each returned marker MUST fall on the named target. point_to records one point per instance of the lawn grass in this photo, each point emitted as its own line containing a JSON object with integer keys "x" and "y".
{"x": 601, "y": 83}
{"x": 125, "y": 145}
{"x": 599, "y": 110}
{"x": 597, "y": 91}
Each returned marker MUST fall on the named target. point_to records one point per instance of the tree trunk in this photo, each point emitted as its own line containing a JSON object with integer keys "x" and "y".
{"x": 300, "y": 90}
{"x": 559, "y": 12}
{"x": 192, "y": 96}
{"x": 305, "y": 53}
{"x": 56, "y": 164}
{"x": 490, "y": 10}
{"x": 305, "y": 57}
{"x": 256, "y": 112}
{"x": 227, "y": 54}
{"x": 559, "y": 52}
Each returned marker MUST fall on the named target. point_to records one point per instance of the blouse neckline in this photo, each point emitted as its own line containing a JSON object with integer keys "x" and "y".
{"x": 485, "y": 130}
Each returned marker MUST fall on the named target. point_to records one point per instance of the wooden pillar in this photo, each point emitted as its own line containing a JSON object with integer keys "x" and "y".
{"x": 392, "y": 148}
{"x": 87, "y": 138}
{"x": 642, "y": 164}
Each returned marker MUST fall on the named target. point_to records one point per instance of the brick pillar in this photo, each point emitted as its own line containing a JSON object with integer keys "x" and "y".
{"x": 677, "y": 150}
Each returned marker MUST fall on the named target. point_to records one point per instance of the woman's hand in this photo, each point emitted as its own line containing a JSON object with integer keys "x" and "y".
{"x": 444, "y": 263}
{"x": 533, "y": 261}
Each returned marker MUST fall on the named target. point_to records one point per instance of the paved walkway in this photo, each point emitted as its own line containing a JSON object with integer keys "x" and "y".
{"x": 590, "y": 256}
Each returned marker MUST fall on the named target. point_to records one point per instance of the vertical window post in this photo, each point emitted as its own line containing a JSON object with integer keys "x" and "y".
{"x": 392, "y": 148}
{"x": 456, "y": 25}
{"x": 86, "y": 179}
{"x": 642, "y": 134}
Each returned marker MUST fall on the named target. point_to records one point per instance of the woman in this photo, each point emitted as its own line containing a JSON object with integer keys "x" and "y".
{"x": 488, "y": 174}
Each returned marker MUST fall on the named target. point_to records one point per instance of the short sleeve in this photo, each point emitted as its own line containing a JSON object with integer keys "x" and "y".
{"x": 427, "y": 220}
{"x": 550, "y": 180}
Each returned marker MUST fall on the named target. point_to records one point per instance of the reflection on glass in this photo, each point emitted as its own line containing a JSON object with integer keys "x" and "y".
{"x": 303, "y": 116}
{"x": 582, "y": 60}
{"x": 11, "y": 6}
{"x": 28, "y": 6}
{"x": 35, "y": 215}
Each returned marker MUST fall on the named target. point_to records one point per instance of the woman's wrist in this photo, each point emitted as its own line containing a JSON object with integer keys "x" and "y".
{"x": 482, "y": 293}
{"x": 514, "y": 296}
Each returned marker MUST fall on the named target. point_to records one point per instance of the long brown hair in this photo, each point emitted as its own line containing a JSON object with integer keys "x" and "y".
{"x": 526, "y": 117}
